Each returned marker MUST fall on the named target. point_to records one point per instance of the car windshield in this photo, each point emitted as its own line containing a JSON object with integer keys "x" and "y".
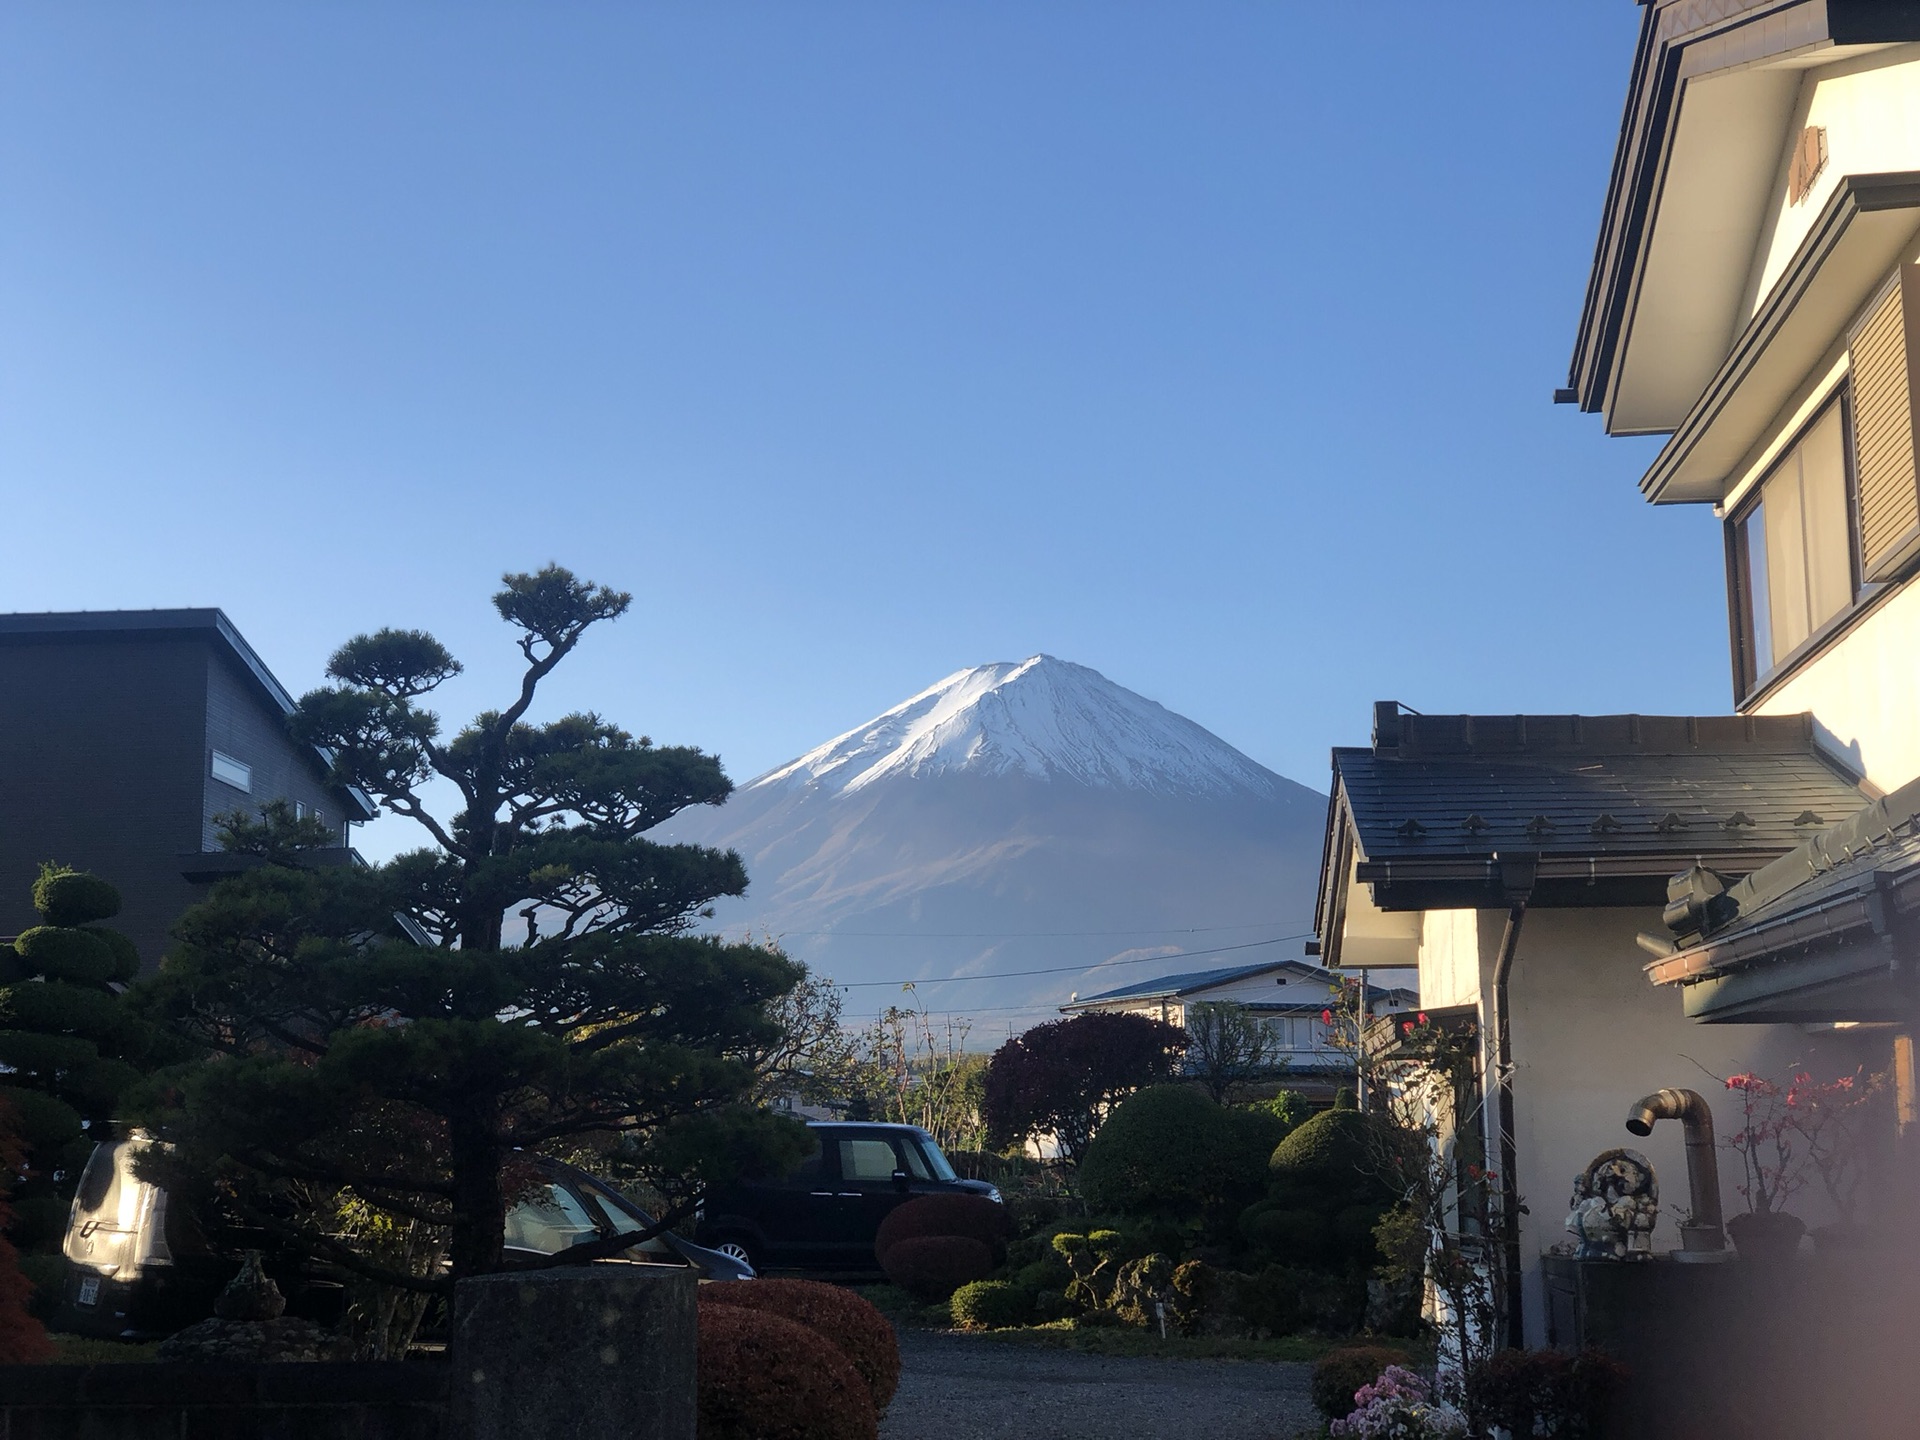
{"x": 625, "y": 1219}
{"x": 941, "y": 1166}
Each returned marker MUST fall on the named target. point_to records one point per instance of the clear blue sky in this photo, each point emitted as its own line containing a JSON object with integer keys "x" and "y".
{"x": 1208, "y": 345}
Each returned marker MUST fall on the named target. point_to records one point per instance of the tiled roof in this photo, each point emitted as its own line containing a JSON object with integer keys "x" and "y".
{"x": 1838, "y": 882}
{"x": 1604, "y": 804}
{"x": 1606, "y": 785}
{"x": 1449, "y": 812}
{"x": 1171, "y": 986}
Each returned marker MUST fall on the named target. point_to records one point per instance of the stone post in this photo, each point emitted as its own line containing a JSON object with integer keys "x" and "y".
{"x": 593, "y": 1352}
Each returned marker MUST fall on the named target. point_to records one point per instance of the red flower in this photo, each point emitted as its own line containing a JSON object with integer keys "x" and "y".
{"x": 1406, "y": 1027}
{"x": 1326, "y": 1017}
{"x": 1423, "y": 1017}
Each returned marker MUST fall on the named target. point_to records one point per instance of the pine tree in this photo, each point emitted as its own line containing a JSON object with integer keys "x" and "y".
{"x": 71, "y": 1047}
{"x": 392, "y": 1035}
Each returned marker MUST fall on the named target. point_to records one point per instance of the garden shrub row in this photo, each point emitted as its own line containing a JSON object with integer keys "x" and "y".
{"x": 792, "y": 1360}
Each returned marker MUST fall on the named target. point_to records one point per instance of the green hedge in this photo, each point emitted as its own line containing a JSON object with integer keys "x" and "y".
{"x": 990, "y": 1305}
{"x": 1170, "y": 1151}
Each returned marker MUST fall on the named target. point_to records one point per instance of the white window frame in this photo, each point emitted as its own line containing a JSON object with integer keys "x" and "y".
{"x": 229, "y": 771}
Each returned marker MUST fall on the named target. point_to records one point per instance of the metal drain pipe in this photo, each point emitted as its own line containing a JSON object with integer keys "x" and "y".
{"x": 1690, "y": 1108}
{"x": 1509, "y": 1149}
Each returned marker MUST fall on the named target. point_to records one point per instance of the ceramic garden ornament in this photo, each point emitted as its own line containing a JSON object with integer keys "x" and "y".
{"x": 1616, "y": 1202}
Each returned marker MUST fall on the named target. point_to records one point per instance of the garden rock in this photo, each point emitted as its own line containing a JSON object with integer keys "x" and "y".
{"x": 250, "y": 1325}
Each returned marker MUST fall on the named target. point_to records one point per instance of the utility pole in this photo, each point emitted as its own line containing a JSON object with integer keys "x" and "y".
{"x": 1360, "y": 1046}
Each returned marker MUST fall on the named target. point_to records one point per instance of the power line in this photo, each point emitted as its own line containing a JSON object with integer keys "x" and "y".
{"x": 1027, "y": 934}
{"x": 1071, "y": 969}
{"x": 979, "y": 1010}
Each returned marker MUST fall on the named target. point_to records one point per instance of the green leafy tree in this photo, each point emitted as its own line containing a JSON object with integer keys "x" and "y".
{"x": 71, "y": 1048}
{"x": 393, "y": 1035}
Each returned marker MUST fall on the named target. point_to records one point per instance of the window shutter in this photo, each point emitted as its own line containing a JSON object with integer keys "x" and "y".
{"x": 1883, "y": 409}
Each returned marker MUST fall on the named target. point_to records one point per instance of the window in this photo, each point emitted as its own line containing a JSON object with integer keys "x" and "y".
{"x": 867, "y": 1160}
{"x": 229, "y": 771}
{"x": 548, "y": 1221}
{"x": 1792, "y": 549}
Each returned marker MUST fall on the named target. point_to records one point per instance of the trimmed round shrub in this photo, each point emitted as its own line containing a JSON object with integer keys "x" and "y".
{"x": 972, "y": 1216}
{"x": 990, "y": 1305}
{"x": 43, "y": 1123}
{"x": 1338, "y": 1373}
{"x": 126, "y": 959}
{"x": 765, "y": 1377}
{"x": 1302, "y": 1236}
{"x": 59, "y": 1007}
{"x": 71, "y": 898}
{"x": 1171, "y": 1151}
{"x": 1334, "y": 1142}
{"x": 62, "y": 954}
{"x": 932, "y": 1267}
{"x": 842, "y": 1318}
{"x": 32, "y": 1050}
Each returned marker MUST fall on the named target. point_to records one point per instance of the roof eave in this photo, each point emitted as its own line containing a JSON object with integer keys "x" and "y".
{"x": 1667, "y": 55}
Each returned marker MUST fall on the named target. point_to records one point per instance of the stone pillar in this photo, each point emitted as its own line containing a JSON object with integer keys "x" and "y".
{"x": 594, "y": 1352}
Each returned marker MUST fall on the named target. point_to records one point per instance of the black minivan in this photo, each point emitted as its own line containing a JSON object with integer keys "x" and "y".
{"x": 823, "y": 1215}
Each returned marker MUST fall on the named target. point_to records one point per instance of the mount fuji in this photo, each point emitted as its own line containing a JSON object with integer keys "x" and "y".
{"x": 1018, "y": 817}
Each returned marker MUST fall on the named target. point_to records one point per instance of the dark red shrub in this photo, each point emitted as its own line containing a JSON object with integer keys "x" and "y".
{"x": 23, "y": 1341}
{"x": 932, "y": 1267}
{"x": 1548, "y": 1391}
{"x": 974, "y": 1216}
{"x": 765, "y": 1377}
{"x": 859, "y": 1331}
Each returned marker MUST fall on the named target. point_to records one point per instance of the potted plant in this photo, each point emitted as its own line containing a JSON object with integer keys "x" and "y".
{"x": 1775, "y": 1166}
{"x": 1833, "y": 1120}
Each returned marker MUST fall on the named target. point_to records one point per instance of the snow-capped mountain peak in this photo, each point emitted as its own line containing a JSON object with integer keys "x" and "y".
{"x": 1041, "y": 718}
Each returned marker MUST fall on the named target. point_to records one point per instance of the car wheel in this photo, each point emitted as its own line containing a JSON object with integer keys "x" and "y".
{"x": 735, "y": 1247}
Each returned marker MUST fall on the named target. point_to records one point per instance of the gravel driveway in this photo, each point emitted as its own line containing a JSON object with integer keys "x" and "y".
{"x": 957, "y": 1387}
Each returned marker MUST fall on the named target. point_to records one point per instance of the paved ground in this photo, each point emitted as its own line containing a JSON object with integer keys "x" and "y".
{"x": 955, "y": 1387}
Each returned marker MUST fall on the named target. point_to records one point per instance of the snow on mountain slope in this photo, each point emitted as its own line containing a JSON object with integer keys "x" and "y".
{"x": 1042, "y": 718}
{"x": 1014, "y": 819}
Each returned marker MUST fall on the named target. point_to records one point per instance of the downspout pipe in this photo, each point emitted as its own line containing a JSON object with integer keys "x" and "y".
{"x": 1690, "y": 1108}
{"x": 1509, "y": 1149}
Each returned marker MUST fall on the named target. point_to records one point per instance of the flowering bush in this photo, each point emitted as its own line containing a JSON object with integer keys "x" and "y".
{"x": 1399, "y": 1406}
{"x": 1774, "y": 1164}
{"x": 1833, "y": 1119}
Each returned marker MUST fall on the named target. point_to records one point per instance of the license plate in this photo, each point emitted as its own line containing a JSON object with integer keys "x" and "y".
{"x": 90, "y": 1290}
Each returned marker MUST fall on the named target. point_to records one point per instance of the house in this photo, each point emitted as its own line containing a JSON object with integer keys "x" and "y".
{"x": 1755, "y": 296}
{"x": 1514, "y": 861}
{"x": 1289, "y": 996}
{"x": 123, "y": 733}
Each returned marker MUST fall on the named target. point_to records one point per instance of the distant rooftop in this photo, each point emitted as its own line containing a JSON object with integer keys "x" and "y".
{"x": 1174, "y": 987}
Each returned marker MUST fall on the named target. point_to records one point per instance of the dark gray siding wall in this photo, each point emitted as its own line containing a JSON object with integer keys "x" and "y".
{"x": 243, "y": 724}
{"x": 101, "y": 746}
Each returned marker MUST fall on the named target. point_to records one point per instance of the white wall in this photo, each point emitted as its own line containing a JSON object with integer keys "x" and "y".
{"x": 1450, "y": 948}
{"x": 1591, "y": 1036}
{"x": 1870, "y": 107}
{"x": 1866, "y": 691}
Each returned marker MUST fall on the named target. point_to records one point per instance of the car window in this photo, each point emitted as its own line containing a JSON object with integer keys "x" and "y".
{"x": 916, "y": 1164}
{"x": 936, "y": 1159}
{"x": 867, "y": 1160}
{"x": 548, "y": 1221}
